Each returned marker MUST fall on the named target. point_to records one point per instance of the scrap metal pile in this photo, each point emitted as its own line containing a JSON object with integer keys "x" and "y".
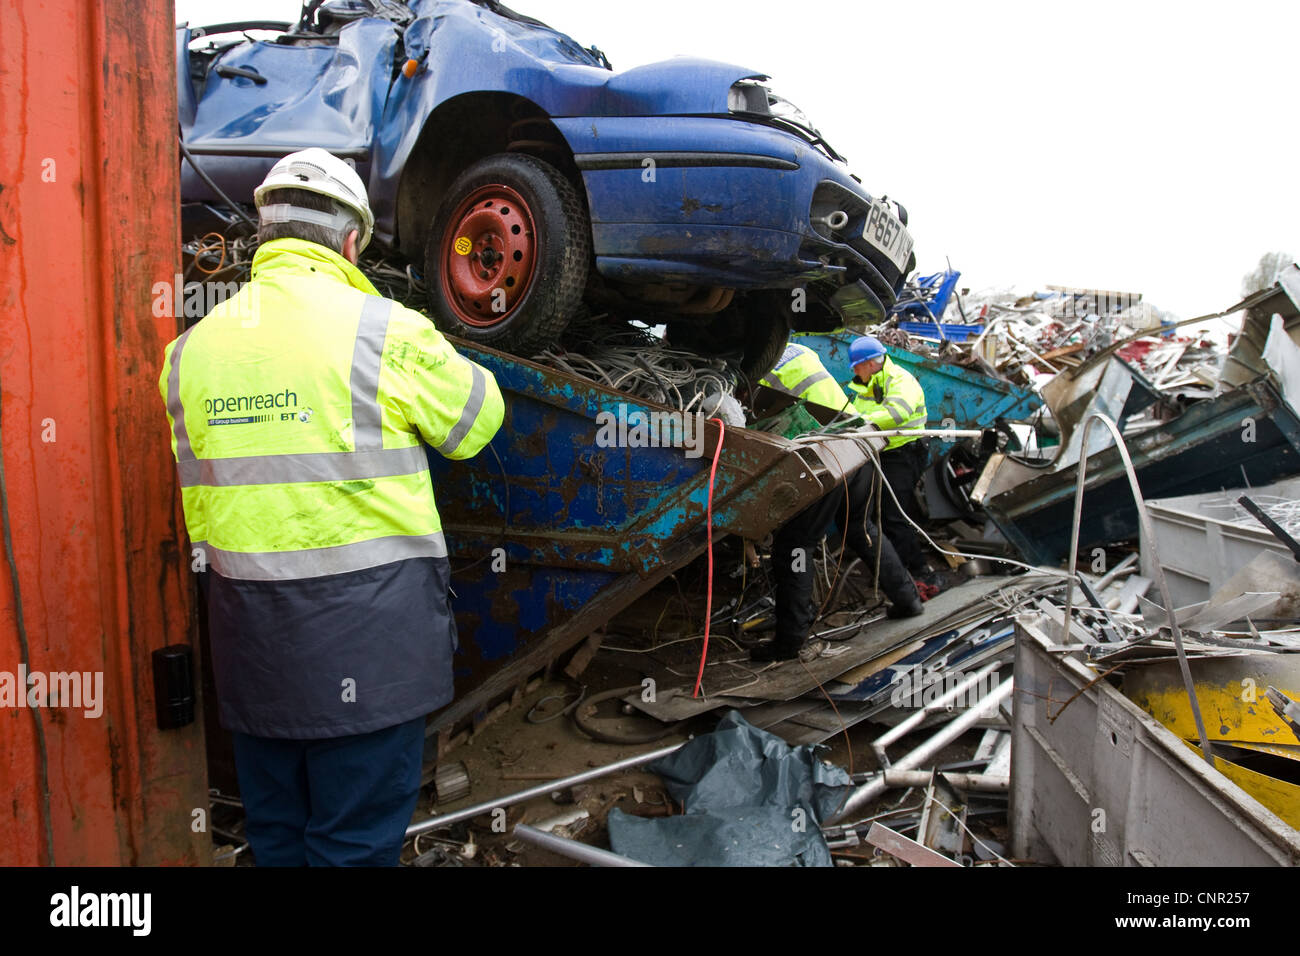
{"x": 944, "y": 689}
{"x": 1213, "y": 664}
{"x": 1239, "y": 636}
{"x": 938, "y": 789}
{"x": 1030, "y": 338}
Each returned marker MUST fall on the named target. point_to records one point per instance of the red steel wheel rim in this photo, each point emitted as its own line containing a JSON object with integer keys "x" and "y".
{"x": 488, "y": 254}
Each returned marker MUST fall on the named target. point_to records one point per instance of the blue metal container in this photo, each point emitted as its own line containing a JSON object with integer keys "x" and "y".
{"x": 553, "y": 529}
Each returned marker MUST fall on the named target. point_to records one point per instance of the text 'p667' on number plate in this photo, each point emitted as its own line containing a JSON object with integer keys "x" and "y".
{"x": 886, "y": 233}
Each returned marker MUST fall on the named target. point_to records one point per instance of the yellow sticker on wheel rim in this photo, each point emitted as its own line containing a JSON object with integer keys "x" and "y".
{"x": 463, "y": 245}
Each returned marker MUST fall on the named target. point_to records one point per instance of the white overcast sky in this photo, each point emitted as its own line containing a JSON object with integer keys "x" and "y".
{"x": 1140, "y": 146}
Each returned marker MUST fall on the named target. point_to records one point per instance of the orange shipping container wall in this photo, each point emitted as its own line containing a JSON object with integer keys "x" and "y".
{"x": 91, "y": 578}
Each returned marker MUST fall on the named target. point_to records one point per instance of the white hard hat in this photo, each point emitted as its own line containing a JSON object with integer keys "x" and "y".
{"x": 317, "y": 171}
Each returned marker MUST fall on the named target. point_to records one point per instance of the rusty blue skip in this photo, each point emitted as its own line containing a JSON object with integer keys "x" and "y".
{"x": 551, "y": 534}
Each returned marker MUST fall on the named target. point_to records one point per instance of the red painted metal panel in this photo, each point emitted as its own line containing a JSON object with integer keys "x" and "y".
{"x": 91, "y": 579}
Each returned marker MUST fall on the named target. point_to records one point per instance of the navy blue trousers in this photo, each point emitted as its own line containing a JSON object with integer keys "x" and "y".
{"x": 337, "y": 801}
{"x": 903, "y": 467}
{"x": 795, "y": 613}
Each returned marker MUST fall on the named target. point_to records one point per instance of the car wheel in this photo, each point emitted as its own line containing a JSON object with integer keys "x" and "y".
{"x": 769, "y": 333}
{"x": 752, "y": 332}
{"x": 508, "y": 254}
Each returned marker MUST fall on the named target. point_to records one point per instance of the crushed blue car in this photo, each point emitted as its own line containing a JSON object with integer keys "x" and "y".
{"x": 531, "y": 181}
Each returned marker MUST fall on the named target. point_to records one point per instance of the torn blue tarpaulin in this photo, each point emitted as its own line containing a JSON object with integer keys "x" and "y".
{"x": 750, "y": 799}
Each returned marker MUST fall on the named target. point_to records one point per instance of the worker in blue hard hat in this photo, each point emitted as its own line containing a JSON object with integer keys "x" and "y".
{"x": 801, "y": 373}
{"x": 889, "y": 396}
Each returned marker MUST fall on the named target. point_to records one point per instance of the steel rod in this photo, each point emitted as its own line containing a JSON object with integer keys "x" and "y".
{"x": 447, "y": 819}
{"x": 814, "y": 438}
{"x": 904, "y": 728}
{"x": 907, "y": 779}
{"x": 572, "y": 848}
{"x": 946, "y": 735}
{"x": 931, "y": 432}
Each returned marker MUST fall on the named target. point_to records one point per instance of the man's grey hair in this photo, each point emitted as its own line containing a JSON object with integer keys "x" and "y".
{"x": 311, "y": 232}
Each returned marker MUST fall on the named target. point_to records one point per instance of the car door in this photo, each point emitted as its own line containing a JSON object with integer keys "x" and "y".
{"x": 244, "y": 103}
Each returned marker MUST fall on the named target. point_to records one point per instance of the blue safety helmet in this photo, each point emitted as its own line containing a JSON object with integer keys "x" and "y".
{"x": 864, "y": 349}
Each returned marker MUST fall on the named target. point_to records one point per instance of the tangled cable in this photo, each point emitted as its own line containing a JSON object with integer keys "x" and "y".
{"x": 216, "y": 252}
{"x": 396, "y": 280}
{"x": 633, "y": 360}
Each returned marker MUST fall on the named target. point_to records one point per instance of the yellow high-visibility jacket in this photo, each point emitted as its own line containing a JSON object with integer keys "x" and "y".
{"x": 300, "y": 409}
{"x": 893, "y": 398}
{"x": 800, "y": 373}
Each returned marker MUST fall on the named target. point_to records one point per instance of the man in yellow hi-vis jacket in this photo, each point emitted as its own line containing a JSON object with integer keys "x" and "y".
{"x": 300, "y": 410}
{"x": 799, "y": 372}
{"x": 889, "y": 396}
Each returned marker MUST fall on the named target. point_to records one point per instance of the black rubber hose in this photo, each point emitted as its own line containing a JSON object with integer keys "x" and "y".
{"x": 214, "y": 187}
{"x": 604, "y": 736}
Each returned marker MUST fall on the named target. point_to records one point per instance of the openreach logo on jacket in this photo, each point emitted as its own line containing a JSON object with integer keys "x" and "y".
{"x": 267, "y": 407}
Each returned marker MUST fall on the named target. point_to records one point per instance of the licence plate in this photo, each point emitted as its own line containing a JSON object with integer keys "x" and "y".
{"x": 886, "y": 233}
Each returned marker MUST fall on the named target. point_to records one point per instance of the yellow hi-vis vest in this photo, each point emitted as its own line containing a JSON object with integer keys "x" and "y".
{"x": 298, "y": 410}
{"x": 893, "y": 398}
{"x": 800, "y": 372}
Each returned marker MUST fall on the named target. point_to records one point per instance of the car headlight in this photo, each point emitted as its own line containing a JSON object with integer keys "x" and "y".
{"x": 748, "y": 96}
{"x": 752, "y": 98}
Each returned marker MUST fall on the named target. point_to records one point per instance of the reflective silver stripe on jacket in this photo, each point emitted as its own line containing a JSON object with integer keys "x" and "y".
{"x": 771, "y": 381}
{"x": 908, "y": 409}
{"x": 318, "y": 562}
{"x": 809, "y": 381}
{"x": 797, "y": 389}
{"x": 184, "y": 453}
{"x": 291, "y": 469}
{"x": 364, "y": 381}
{"x": 468, "y": 415}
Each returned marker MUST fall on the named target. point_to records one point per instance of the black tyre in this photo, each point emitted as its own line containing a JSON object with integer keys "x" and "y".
{"x": 508, "y": 254}
{"x": 752, "y": 332}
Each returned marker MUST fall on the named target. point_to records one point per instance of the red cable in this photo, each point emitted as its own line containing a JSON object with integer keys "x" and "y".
{"x": 708, "y": 605}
